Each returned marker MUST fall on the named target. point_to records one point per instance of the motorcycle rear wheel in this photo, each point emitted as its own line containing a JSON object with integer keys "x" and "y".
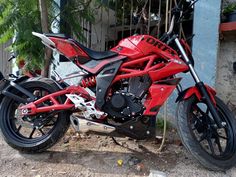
{"x": 213, "y": 147}
{"x": 21, "y": 132}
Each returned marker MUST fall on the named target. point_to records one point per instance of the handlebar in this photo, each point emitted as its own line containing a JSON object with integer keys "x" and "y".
{"x": 179, "y": 14}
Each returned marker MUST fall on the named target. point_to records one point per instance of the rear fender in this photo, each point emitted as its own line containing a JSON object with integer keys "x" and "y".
{"x": 186, "y": 94}
{"x": 9, "y": 88}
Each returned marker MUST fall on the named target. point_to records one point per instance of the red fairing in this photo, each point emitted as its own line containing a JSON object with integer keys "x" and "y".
{"x": 128, "y": 48}
{"x": 153, "y": 66}
{"x": 160, "y": 60}
{"x": 143, "y": 45}
{"x": 158, "y": 94}
{"x": 175, "y": 66}
{"x": 68, "y": 48}
{"x": 194, "y": 91}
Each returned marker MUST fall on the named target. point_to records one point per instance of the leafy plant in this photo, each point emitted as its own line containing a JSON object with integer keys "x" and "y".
{"x": 230, "y": 8}
{"x": 18, "y": 18}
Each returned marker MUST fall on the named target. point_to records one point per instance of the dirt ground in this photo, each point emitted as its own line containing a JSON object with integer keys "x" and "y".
{"x": 98, "y": 156}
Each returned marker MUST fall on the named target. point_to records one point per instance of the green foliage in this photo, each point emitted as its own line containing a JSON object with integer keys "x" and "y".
{"x": 230, "y": 8}
{"x": 160, "y": 123}
{"x": 74, "y": 12}
{"x": 18, "y": 18}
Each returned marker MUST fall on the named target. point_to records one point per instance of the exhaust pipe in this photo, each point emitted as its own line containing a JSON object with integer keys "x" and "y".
{"x": 83, "y": 125}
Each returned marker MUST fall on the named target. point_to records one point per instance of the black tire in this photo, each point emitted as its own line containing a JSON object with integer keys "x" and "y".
{"x": 31, "y": 144}
{"x": 200, "y": 138}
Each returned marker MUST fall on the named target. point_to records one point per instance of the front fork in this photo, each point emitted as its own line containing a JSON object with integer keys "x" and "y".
{"x": 200, "y": 86}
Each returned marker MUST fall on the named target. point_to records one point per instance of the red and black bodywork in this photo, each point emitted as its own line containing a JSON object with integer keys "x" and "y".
{"x": 148, "y": 66}
{"x": 136, "y": 56}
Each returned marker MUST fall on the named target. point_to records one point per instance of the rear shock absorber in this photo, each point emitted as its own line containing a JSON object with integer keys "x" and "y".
{"x": 88, "y": 82}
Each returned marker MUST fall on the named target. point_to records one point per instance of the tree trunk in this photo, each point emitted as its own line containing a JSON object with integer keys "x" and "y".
{"x": 45, "y": 29}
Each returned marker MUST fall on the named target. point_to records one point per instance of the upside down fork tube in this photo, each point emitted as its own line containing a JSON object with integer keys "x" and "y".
{"x": 200, "y": 86}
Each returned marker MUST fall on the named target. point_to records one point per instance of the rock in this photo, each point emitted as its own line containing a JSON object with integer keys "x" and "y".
{"x": 104, "y": 144}
{"x": 140, "y": 167}
{"x": 133, "y": 161}
{"x": 74, "y": 138}
{"x": 34, "y": 170}
{"x": 66, "y": 139}
{"x": 159, "y": 137}
{"x": 83, "y": 136}
{"x": 178, "y": 142}
{"x": 156, "y": 173}
{"x": 61, "y": 172}
{"x": 124, "y": 144}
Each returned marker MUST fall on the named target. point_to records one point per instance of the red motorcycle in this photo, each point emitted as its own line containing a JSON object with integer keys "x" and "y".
{"x": 120, "y": 95}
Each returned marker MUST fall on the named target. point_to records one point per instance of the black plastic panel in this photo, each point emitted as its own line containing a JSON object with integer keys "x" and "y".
{"x": 104, "y": 80}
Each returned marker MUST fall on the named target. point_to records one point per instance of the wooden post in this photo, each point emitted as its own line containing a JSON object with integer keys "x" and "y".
{"x": 45, "y": 29}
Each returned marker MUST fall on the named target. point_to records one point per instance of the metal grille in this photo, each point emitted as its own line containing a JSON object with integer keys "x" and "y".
{"x": 117, "y": 19}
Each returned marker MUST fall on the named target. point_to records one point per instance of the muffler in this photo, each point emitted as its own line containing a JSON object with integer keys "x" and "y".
{"x": 83, "y": 125}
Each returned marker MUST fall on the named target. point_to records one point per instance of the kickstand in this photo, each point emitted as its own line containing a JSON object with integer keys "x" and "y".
{"x": 117, "y": 143}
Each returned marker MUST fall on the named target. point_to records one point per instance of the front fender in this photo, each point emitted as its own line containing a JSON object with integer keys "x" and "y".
{"x": 184, "y": 95}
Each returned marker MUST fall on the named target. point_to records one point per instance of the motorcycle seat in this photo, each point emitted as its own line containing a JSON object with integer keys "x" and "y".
{"x": 94, "y": 55}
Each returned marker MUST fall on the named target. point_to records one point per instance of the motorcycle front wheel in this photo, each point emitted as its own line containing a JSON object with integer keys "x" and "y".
{"x": 213, "y": 147}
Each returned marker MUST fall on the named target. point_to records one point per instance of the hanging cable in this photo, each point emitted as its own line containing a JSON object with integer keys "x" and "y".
{"x": 149, "y": 16}
{"x": 123, "y": 20}
{"x": 159, "y": 23}
{"x": 165, "y": 105}
{"x": 139, "y": 20}
{"x": 115, "y": 23}
{"x": 131, "y": 17}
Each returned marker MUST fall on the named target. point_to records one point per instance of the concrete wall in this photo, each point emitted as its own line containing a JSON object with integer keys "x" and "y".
{"x": 206, "y": 40}
{"x": 5, "y": 66}
{"x": 226, "y": 78}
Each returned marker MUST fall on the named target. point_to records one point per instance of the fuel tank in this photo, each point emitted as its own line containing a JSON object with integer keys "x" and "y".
{"x": 143, "y": 45}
